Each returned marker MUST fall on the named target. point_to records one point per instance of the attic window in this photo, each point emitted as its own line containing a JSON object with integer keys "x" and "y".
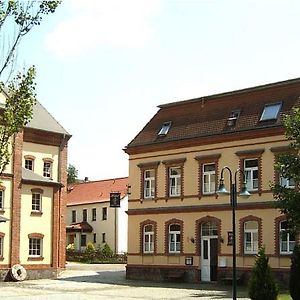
{"x": 270, "y": 112}
{"x": 234, "y": 115}
{"x": 165, "y": 128}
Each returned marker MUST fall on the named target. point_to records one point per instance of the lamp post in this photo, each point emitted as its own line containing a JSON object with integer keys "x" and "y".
{"x": 233, "y": 202}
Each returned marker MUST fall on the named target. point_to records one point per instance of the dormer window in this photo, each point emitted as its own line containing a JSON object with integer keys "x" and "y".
{"x": 270, "y": 112}
{"x": 165, "y": 128}
{"x": 232, "y": 119}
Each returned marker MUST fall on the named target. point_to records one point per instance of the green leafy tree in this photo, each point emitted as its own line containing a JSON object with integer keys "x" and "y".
{"x": 295, "y": 274}
{"x": 261, "y": 284}
{"x": 17, "y": 18}
{"x": 72, "y": 174}
{"x": 288, "y": 166}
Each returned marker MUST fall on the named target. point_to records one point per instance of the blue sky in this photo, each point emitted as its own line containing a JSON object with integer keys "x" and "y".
{"x": 103, "y": 66}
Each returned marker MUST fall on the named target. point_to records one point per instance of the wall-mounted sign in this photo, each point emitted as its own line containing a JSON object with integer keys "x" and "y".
{"x": 115, "y": 199}
{"x": 230, "y": 238}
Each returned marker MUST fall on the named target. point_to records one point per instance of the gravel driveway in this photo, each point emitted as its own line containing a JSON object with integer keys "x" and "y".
{"x": 80, "y": 281}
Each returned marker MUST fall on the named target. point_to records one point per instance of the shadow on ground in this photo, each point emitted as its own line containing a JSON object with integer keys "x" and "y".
{"x": 201, "y": 290}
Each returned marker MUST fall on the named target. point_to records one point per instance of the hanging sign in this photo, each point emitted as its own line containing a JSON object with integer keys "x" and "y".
{"x": 115, "y": 199}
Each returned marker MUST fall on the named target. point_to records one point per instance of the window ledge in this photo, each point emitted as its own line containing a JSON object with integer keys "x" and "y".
{"x": 35, "y": 258}
{"x": 36, "y": 213}
{"x": 2, "y": 211}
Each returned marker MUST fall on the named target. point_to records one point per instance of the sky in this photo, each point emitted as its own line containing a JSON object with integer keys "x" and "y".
{"x": 103, "y": 66}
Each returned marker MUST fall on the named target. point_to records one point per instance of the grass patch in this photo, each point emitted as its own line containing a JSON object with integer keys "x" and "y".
{"x": 284, "y": 297}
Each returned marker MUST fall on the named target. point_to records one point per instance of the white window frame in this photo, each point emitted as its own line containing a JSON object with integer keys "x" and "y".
{"x": 290, "y": 243}
{"x": 36, "y": 202}
{"x": 288, "y": 183}
{"x": 2, "y": 199}
{"x": 149, "y": 183}
{"x": 249, "y": 171}
{"x": 210, "y": 186}
{"x": 47, "y": 169}
{"x": 35, "y": 247}
{"x": 148, "y": 239}
{"x": 29, "y": 164}
{"x": 1, "y": 246}
{"x": 165, "y": 128}
{"x": 175, "y": 182}
{"x": 174, "y": 239}
{"x": 253, "y": 243}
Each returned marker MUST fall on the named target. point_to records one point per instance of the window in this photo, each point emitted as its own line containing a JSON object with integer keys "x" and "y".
{"x": 288, "y": 183}
{"x": 83, "y": 240}
{"x": 232, "y": 119}
{"x": 270, "y": 112}
{"x": 165, "y": 128}
{"x": 174, "y": 238}
{"x": 84, "y": 215}
{"x": 47, "y": 169}
{"x": 148, "y": 239}
{"x": 36, "y": 202}
{"x": 209, "y": 229}
{"x": 251, "y": 173}
{"x": 35, "y": 247}
{"x": 149, "y": 183}
{"x": 174, "y": 181}
{"x": 94, "y": 214}
{"x": 287, "y": 239}
{"x": 250, "y": 237}
{"x": 104, "y": 213}
{"x": 94, "y": 238}
{"x": 73, "y": 216}
{"x": 209, "y": 178}
{"x": 1, "y": 245}
{"x": 1, "y": 199}
{"x": 29, "y": 164}
{"x": 103, "y": 237}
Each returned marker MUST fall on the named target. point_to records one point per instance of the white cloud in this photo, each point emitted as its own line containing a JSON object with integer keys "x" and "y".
{"x": 95, "y": 22}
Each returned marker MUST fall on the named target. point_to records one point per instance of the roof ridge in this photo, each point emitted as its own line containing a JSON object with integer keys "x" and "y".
{"x": 100, "y": 180}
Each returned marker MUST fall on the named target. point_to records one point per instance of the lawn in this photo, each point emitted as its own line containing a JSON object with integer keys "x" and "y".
{"x": 284, "y": 297}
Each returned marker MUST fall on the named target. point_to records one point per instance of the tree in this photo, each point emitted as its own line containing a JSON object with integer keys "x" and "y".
{"x": 295, "y": 274}
{"x": 288, "y": 166}
{"x": 72, "y": 174}
{"x": 17, "y": 18}
{"x": 261, "y": 284}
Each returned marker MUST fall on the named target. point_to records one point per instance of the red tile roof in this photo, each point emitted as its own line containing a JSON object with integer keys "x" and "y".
{"x": 81, "y": 226}
{"x": 207, "y": 116}
{"x": 95, "y": 191}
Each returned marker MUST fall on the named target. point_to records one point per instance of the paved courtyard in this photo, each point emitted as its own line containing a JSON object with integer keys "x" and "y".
{"x": 80, "y": 282}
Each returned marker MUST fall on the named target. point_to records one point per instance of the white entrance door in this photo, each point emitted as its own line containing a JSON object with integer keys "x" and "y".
{"x": 205, "y": 259}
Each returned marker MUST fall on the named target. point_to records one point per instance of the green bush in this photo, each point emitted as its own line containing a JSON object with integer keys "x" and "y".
{"x": 261, "y": 284}
{"x": 295, "y": 274}
{"x": 106, "y": 251}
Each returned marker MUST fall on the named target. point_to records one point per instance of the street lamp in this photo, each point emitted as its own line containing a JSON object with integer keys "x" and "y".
{"x": 233, "y": 202}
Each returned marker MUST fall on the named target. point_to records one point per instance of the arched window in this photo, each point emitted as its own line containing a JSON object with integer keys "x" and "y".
{"x": 209, "y": 229}
{"x": 174, "y": 238}
{"x": 251, "y": 237}
{"x": 287, "y": 239}
{"x": 148, "y": 238}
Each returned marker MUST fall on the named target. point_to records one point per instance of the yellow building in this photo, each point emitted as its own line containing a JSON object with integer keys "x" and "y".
{"x": 178, "y": 226}
{"x": 33, "y": 199}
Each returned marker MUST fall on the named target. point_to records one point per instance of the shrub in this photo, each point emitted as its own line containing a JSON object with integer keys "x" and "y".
{"x": 106, "y": 251}
{"x": 261, "y": 284}
{"x": 70, "y": 248}
{"x": 90, "y": 248}
{"x": 295, "y": 274}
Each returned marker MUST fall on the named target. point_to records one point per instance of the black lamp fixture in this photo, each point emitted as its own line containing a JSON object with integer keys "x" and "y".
{"x": 233, "y": 202}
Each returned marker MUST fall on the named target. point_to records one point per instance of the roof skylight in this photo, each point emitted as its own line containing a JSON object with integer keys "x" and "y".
{"x": 270, "y": 111}
{"x": 234, "y": 115}
{"x": 165, "y": 128}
